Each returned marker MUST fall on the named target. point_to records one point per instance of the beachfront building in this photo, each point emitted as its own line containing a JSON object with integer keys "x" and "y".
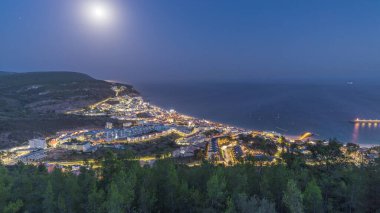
{"x": 109, "y": 125}
{"x": 185, "y": 151}
{"x": 33, "y": 156}
{"x": 77, "y": 146}
{"x": 127, "y": 124}
{"x": 194, "y": 139}
{"x": 38, "y": 143}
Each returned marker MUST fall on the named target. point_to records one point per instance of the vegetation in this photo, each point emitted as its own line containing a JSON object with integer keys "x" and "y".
{"x": 32, "y": 104}
{"x": 267, "y": 146}
{"x": 163, "y": 145}
{"x": 211, "y": 132}
{"x": 121, "y": 185}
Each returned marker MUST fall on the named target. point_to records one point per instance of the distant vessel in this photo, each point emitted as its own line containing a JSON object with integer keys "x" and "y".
{"x": 350, "y": 83}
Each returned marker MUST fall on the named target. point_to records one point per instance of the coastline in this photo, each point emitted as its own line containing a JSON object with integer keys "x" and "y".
{"x": 253, "y": 106}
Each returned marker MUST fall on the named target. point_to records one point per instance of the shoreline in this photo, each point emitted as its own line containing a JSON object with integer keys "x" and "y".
{"x": 364, "y": 144}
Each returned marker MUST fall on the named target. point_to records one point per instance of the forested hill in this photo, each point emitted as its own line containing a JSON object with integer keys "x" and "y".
{"x": 31, "y": 104}
{"x": 121, "y": 185}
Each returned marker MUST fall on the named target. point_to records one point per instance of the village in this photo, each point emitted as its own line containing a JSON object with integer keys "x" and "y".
{"x": 141, "y": 123}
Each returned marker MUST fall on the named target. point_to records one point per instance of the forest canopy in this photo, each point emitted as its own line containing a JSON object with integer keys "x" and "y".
{"x": 122, "y": 185}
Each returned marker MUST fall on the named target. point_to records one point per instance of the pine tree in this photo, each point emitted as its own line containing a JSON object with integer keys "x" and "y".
{"x": 147, "y": 199}
{"x": 48, "y": 202}
{"x": 114, "y": 202}
{"x": 95, "y": 201}
{"x": 87, "y": 184}
{"x": 230, "y": 206}
{"x": 293, "y": 197}
{"x": 126, "y": 184}
{"x": 170, "y": 187}
{"x": 13, "y": 207}
{"x": 61, "y": 204}
{"x": 5, "y": 187}
{"x": 266, "y": 207}
{"x": 216, "y": 187}
{"x": 245, "y": 204}
{"x": 71, "y": 194}
{"x": 313, "y": 198}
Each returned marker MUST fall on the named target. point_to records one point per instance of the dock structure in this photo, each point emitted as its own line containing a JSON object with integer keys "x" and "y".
{"x": 366, "y": 121}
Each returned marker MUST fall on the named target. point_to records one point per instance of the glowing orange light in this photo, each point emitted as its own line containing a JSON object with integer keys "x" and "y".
{"x": 355, "y": 133}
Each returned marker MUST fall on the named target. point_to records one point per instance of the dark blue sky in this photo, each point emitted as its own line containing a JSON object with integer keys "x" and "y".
{"x": 163, "y": 40}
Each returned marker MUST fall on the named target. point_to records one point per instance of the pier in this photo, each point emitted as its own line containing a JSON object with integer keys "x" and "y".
{"x": 366, "y": 121}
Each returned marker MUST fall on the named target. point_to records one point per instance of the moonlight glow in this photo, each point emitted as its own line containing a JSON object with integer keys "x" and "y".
{"x": 99, "y": 13}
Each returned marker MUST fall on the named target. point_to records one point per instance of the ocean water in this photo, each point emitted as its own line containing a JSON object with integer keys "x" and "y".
{"x": 291, "y": 109}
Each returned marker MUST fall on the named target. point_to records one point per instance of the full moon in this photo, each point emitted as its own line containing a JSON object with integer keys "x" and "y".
{"x": 99, "y": 13}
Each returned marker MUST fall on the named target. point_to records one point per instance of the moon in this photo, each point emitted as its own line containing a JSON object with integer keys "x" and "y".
{"x": 99, "y": 19}
{"x": 99, "y": 13}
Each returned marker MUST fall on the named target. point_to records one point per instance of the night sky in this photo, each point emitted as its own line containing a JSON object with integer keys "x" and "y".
{"x": 162, "y": 40}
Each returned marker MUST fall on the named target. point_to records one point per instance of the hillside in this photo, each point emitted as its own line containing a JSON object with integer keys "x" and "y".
{"x": 5, "y": 73}
{"x": 32, "y": 104}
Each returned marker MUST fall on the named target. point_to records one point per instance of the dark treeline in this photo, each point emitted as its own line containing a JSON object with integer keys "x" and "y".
{"x": 124, "y": 186}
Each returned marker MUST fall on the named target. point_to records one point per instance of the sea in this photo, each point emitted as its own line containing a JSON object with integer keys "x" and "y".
{"x": 324, "y": 109}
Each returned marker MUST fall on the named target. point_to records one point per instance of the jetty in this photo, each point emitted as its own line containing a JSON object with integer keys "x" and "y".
{"x": 366, "y": 121}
